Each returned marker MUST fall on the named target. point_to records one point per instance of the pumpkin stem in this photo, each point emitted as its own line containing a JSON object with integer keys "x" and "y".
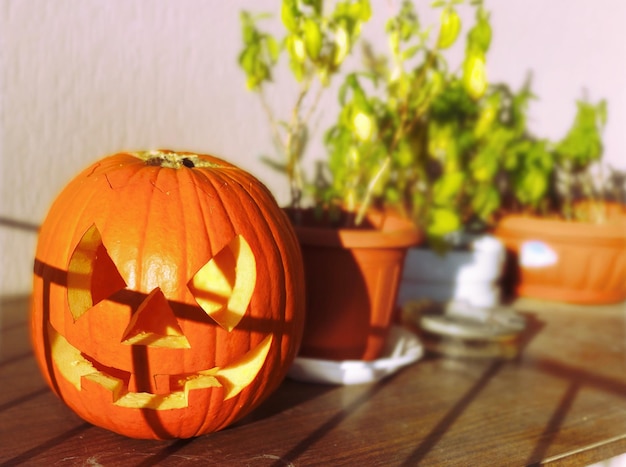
{"x": 172, "y": 160}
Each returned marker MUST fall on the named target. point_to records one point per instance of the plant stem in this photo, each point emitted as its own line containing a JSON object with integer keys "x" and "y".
{"x": 270, "y": 115}
{"x": 370, "y": 188}
{"x": 288, "y": 146}
{"x": 294, "y": 153}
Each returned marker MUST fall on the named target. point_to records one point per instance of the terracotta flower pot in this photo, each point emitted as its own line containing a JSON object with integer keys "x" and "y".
{"x": 576, "y": 262}
{"x": 352, "y": 278}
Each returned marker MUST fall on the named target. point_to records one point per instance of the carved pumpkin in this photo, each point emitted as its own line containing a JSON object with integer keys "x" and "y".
{"x": 168, "y": 294}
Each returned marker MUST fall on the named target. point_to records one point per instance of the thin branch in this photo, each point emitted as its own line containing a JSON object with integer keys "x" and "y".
{"x": 316, "y": 101}
{"x": 370, "y": 188}
{"x": 273, "y": 124}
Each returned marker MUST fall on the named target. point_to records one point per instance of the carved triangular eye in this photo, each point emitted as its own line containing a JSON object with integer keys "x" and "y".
{"x": 91, "y": 274}
{"x": 223, "y": 287}
{"x": 154, "y": 324}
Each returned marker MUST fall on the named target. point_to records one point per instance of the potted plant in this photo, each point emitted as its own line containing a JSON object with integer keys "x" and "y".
{"x": 460, "y": 156}
{"x": 437, "y": 131}
{"x": 353, "y": 255}
{"x": 565, "y": 230}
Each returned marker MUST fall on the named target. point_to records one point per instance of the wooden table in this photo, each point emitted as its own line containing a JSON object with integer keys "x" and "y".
{"x": 562, "y": 402}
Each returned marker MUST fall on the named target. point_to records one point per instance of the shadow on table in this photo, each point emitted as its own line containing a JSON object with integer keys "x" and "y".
{"x": 577, "y": 378}
{"x": 289, "y": 394}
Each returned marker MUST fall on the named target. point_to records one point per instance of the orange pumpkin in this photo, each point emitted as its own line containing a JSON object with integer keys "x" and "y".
{"x": 168, "y": 294}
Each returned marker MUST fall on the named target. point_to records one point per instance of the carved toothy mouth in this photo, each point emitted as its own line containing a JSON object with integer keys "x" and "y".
{"x": 75, "y": 367}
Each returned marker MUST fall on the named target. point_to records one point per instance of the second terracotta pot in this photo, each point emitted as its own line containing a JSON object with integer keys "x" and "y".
{"x": 352, "y": 279}
{"x": 576, "y": 262}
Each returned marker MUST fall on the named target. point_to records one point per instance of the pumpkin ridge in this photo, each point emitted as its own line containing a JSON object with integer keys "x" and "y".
{"x": 254, "y": 214}
{"x": 289, "y": 263}
{"x": 63, "y": 218}
{"x": 132, "y": 178}
{"x": 207, "y": 182}
{"x": 215, "y": 179}
{"x": 269, "y": 222}
{"x": 141, "y": 226}
{"x": 185, "y": 193}
{"x": 158, "y": 212}
{"x": 185, "y": 219}
{"x": 218, "y": 179}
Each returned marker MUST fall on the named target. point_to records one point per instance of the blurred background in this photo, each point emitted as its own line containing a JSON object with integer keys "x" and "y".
{"x": 80, "y": 79}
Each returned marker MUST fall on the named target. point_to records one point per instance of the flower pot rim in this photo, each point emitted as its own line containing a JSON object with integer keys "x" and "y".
{"x": 480, "y": 243}
{"x": 589, "y": 242}
{"x": 389, "y": 230}
{"x": 565, "y": 231}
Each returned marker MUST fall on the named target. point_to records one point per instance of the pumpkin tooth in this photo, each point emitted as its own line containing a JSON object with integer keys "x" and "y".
{"x": 68, "y": 359}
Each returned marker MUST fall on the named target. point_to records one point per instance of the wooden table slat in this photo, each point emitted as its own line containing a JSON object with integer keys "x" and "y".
{"x": 562, "y": 402}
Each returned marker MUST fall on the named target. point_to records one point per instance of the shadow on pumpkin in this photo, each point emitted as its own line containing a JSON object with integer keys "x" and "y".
{"x": 140, "y": 380}
{"x": 132, "y": 298}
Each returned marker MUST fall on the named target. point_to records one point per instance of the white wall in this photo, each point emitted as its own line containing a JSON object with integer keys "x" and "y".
{"x": 80, "y": 79}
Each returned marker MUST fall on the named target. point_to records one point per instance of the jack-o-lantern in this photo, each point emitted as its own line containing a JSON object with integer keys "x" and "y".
{"x": 168, "y": 294}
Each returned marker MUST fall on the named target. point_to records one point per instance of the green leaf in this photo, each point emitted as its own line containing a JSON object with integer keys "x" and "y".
{"x": 449, "y": 29}
{"x": 363, "y": 125}
{"x": 534, "y": 187}
{"x": 273, "y": 48}
{"x": 479, "y": 37}
{"x": 315, "y": 4}
{"x": 392, "y": 195}
{"x": 442, "y": 144}
{"x": 350, "y": 88}
{"x": 297, "y": 70}
{"x": 289, "y": 14}
{"x": 247, "y": 27}
{"x": 297, "y": 56}
{"x": 448, "y": 187}
{"x": 255, "y": 69}
{"x": 323, "y": 74}
{"x": 487, "y": 116}
{"x": 341, "y": 46}
{"x": 312, "y": 38}
{"x": 278, "y": 166}
{"x": 583, "y": 143}
{"x": 404, "y": 155}
{"x": 475, "y": 75}
{"x": 247, "y": 59}
{"x": 442, "y": 222}
{"x": 410, "y": 52}
{"x": 365, "y": 10}
{"x": 486, "y": 201}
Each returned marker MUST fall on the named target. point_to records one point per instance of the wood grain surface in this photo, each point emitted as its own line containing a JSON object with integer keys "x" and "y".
{"x": 562, "y": 402}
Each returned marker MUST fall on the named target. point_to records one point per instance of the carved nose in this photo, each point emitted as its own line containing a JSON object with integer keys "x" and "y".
{"x": 154, "y": 324}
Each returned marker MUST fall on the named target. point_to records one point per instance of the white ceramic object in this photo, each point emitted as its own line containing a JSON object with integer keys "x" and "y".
{"x": 403, "y": 348}
{"x": 470, "y": 276}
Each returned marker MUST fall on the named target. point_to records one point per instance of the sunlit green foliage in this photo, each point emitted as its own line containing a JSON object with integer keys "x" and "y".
{"x": 316, "y": 43}
{"x": 445, "y": 146}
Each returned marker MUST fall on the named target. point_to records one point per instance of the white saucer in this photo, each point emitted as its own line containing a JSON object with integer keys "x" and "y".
{"x": 403, "y": 348}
